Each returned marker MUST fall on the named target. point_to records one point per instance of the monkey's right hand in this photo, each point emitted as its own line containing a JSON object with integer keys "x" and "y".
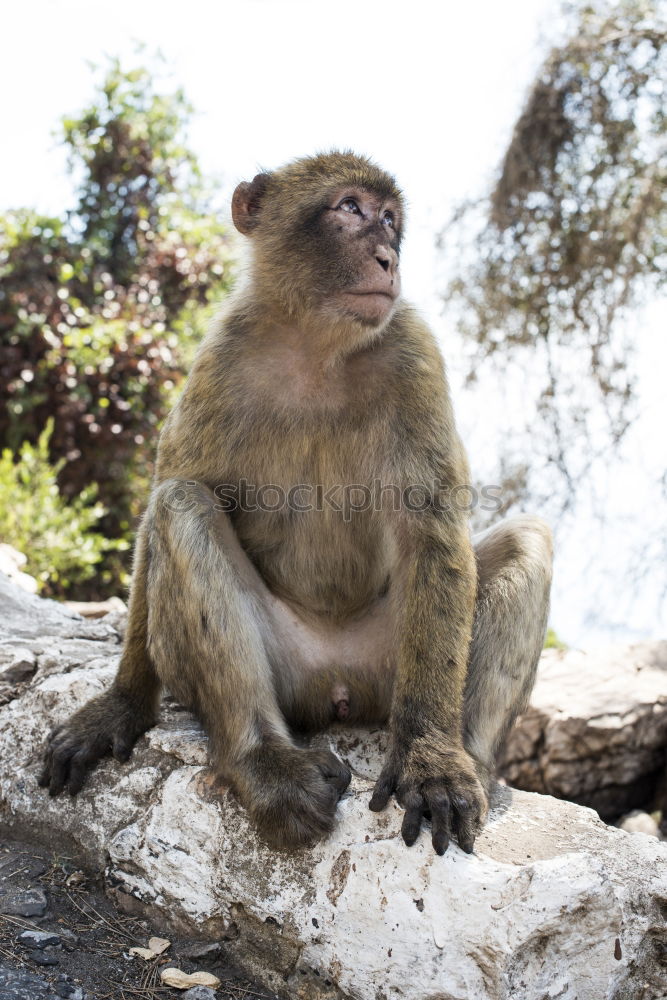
{"x": 291, "y": 793}
{"x": 109, "y": 724}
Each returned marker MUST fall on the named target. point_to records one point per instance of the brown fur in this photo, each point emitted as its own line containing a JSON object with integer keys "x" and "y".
{"x": 265, "y": 622}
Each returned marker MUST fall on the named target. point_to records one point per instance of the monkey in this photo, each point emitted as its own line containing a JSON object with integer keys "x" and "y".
{"x": 303, "y": 560}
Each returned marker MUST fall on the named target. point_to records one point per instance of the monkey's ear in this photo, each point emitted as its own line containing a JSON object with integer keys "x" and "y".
{"x": 246, "y": 203}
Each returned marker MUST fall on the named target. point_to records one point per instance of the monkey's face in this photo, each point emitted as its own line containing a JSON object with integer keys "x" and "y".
{"x": 357, "y": 239}
{"x": 326, "y": 234}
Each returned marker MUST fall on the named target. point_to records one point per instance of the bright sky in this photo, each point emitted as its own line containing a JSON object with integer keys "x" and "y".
{"x": 430, "y": 90}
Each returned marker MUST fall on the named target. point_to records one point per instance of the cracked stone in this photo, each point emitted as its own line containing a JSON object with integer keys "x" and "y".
{"x": 28, "y": 903}
{"x": 15, "y": 985}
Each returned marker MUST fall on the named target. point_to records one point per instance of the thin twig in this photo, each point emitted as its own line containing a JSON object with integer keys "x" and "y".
{"x": 19, "y": 921}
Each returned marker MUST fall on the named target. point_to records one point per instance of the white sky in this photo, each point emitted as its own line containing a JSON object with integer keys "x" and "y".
{"x": 430, "y": 90}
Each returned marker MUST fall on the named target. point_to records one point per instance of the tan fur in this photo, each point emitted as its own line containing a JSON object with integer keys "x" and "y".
{"x": 269, "y": 621}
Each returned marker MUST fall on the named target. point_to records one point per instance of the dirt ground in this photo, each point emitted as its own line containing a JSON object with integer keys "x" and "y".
{"x": 86, "y": 953}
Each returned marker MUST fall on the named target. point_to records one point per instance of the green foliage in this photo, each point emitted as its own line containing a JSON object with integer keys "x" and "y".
{"x": 56, "y": 535}
{"x": 100, "y": 309}
{"x": 552, "y": 641}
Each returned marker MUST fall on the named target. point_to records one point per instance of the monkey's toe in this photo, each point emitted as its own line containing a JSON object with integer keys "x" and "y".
{"x": 293, "y": 799}
{"x": 105, "y": 725}
{"x": 68, "y": 761}
{"x": 333, "y": 770}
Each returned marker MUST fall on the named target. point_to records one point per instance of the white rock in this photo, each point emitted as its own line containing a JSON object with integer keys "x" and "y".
{"x": 639, "y": 822}
{"x": 11, "y": 564}
{"x": 552, "y": 904}
{"x": 595, "y": 731}
{"x": 97, "y": 609}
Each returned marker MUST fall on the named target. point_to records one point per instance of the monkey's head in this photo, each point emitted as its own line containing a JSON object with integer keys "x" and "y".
{"x": 325, "y": 234}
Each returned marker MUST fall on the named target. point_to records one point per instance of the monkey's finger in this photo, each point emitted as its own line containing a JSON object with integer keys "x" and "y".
{"x": 465, "y": 826}
{"x": 326, "y": 799}
{"x": 469, "y": 806}
{"x": 122, "y": 748}
{"x": 44, "y": 779}
{"x": 54, "y": 734}
{"x": 58, "y": 772}
{"x": 437, "y": 800}
{"x": 413, "y": 803}
{"x": 384, "y": 789}
{"x": 335, "y": 772}
{"x": 78, "y": 770}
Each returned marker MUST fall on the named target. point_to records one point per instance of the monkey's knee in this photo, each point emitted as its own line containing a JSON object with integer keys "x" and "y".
{"x": 180, "y": 496}
{"x": 534, "y": 542}
{"x": 521, "y": 546}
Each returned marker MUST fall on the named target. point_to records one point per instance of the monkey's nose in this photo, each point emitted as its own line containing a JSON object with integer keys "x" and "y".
{"x": 386, "y": 258}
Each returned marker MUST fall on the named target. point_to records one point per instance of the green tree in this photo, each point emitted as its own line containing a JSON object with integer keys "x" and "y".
{"x": 100, "y": 307}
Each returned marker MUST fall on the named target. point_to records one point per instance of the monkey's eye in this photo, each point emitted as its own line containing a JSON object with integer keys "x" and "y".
{"x": 350, "y": 205}
{"x": 388, "y": 219}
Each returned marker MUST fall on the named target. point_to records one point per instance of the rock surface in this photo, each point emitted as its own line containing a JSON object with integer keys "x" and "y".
{"x": 639, "y": 822}
{"x": 595, "y": 731}
{"x": 11, "y": 563}
{"x": 552, "y": 904}
{"x": 15, "y": 985}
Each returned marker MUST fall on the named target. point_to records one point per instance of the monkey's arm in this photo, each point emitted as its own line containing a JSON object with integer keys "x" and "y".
{"x": 112, "y": 722}
{"x": 427, "y": 766}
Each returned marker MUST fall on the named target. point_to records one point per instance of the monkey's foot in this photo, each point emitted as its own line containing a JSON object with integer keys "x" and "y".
{"x": 109, "y": 724}
{"x": 290, "y": 793}
{"x": 437, "y": 784}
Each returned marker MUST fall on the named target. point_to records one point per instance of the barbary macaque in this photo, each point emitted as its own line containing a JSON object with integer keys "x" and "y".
{"x": 271, "y": 619}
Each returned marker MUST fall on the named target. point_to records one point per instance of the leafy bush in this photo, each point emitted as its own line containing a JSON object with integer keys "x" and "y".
{"x": 97, "y": 306}
{"x": 55, "y": 534}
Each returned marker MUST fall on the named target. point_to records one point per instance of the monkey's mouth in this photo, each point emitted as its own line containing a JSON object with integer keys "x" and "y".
{"x": 383, "y": 292}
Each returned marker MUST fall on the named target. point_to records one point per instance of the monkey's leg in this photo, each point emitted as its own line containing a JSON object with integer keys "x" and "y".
{"x": 112, "y": 722}
{"x": 514, "y": 561}
{"x": 208, "y": 629}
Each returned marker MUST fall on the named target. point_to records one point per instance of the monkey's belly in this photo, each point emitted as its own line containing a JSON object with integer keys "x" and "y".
{"x": 349, "y": 668}
{"x": 316, "y": 561}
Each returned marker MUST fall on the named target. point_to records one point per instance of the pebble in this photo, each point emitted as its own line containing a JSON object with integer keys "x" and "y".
{"x": 200, "y": 949}
{"x": 68, "y": 991}
{"x": 39, "y": 939}
{"x": 639, "y": 822}
{"x": 21, "y": 666}
{"x": 199, "y": 993}
{"x": 45, "y": 957}
{"x": 69, "y": 939}
{"x": 29, "y": 903}
{"x": 15, "y": 985}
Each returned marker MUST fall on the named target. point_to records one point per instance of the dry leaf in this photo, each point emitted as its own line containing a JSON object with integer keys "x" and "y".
{"x": 183, "y": 981}
{"x": 146, "y": 953}
{"x": 158, "y": 945}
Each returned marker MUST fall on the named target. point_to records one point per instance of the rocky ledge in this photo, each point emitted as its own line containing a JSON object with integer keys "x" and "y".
{"x": 553, "y": 903}
{"x": 596, "y": 729}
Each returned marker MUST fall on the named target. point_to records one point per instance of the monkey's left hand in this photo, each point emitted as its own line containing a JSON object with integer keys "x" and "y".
{"x": 436, "y": 783}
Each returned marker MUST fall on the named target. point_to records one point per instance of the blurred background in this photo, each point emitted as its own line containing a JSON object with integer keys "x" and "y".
{"x": 531, "y": 141}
